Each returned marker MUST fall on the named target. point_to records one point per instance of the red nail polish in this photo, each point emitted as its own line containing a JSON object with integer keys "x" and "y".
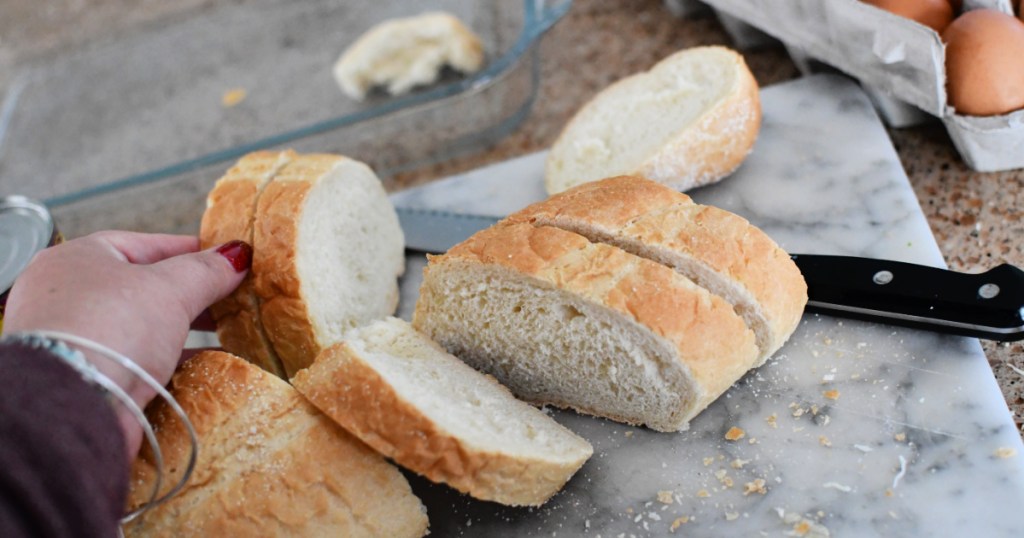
{"x": 238, "y": 253}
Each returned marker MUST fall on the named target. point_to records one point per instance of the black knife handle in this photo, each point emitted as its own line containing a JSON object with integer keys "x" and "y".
{"x": 987, "y": 305}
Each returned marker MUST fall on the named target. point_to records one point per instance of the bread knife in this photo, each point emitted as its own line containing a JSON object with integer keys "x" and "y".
{"x": 987, "y": 305}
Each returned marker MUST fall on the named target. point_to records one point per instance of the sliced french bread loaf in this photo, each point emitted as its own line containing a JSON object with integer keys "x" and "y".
{"x": 327, "y": 253}
{"x": 564, "y": 321}
{"x": 230, "y": 210}
{"x": 409, "y": 399}
{"x": 269, "y": 464}
{"x": 718, "y": 250}
{"x": 688, "y": 121}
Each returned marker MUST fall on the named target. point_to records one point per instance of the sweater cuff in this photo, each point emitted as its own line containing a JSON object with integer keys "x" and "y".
{"x": 62, "y": 462}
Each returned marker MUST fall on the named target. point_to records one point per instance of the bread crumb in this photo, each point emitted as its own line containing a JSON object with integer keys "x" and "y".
{"x": 757, "y": 486}
{"x": 629, "y": 434}
{"x": 233, "y": 97}
{"x": 708, "y": 461}
{"x": 703, "y": 494}
{"x": 832, "y": 394}
{"x": 900, "y": 437}
{"x": 678, "y": 522}
{"x": 824, "y": 441}
{"x": 665, "y": 497}
{"x": 730, "y": 516}
{"x": 771, "y": 420}
{"x": 1005, "y": 452}
{"x": 734, "y": 434}
{"x": 802, "y": 528}
{"x": 738, "y": 463}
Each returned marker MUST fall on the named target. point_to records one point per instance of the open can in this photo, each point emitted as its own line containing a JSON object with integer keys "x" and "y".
{"x": 26, "y": 227}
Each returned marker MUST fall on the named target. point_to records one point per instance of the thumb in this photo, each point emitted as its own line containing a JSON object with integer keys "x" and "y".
{"x": 202, "y": 278}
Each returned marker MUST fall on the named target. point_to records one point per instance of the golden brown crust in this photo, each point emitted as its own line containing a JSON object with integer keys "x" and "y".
{"x": 714, "y": 147}
{"x": 629, "y": 209}
{"x": 269, "y": 464}
{"x": 709, "y": 338}
{"x": 355, "y": 395}
{"x": 230, "y": 209}
{"x": 283, "y": 310}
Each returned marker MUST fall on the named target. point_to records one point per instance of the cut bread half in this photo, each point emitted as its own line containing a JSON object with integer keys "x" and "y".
{"x": 718, "y": 250}
{"x": 327, "y": 253}
{"x": 230, "y": 210}
{"x": 269, "y": 464}
{"x": 405, "y": 396}
{"x": 564, "y": 321}
{"x": 689, "y": 121}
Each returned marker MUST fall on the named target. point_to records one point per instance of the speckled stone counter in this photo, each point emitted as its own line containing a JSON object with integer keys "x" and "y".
{"x": 977, "y": 218}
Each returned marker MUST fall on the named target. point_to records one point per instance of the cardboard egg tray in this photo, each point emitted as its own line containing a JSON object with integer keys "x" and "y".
{"x": 899, "y": 62}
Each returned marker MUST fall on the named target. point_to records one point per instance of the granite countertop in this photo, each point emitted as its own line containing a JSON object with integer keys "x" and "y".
{"x": 977, "y": 218}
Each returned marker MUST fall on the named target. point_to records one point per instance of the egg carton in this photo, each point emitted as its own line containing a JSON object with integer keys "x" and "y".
{"x": 899, "y": 62}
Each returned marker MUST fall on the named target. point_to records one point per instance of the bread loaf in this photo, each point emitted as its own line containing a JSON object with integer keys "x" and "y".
{"x": 429, "y": 412}
{"x": 585, "y": 301}
{"x": 229, "y": 215}
{"x": 718, "y": 250}
{"x": 689, "y": 121}
{"x": 327, "y": 250}
{"x": 269, "y": 464}
{"x": 564, "y": 321}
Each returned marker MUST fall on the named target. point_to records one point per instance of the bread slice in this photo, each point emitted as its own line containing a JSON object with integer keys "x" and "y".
{"x": 564, "y": 321}
{"x": 718, "y": 250}
{"x": 230, "y": 210}
{"x": 689, "y": 121}
{"x": 403, "y": 53}
{"x": 327, "y": 253}
{"x": 405, "y": 396}
{"x": 269, "y": 464}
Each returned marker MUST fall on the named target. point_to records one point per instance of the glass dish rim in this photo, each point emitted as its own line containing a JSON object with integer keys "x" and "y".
{"x": 537, "y": 19}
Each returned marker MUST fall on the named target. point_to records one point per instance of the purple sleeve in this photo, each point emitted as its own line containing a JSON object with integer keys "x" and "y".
{"x": 63, "y": 469}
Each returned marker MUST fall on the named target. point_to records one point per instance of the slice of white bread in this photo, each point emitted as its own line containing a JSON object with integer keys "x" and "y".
{"x": 563, "y": 321}
{"x": 403, "y": 53}
{"x": 230, "y": 210}
{"x": 269, "y": 464}
{"x": 405, "y": 396}
{"x": 718, "y": 250}
{"x": 689, "y": 121}
{"x": 327, "y": 251}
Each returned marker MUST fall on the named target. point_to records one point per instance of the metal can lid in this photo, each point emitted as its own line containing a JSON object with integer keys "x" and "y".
{"x": 25, "y": 228}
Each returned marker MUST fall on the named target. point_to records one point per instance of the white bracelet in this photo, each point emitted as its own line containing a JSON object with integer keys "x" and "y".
{"x": 55, "y": 343}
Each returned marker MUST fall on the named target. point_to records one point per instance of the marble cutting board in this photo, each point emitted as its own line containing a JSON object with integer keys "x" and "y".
{"x": 852, "y": 429}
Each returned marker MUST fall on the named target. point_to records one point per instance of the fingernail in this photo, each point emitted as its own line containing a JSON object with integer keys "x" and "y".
{"x": 238, "y": 253}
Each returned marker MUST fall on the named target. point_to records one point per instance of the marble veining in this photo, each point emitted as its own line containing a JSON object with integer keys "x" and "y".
{"x": 851, "y": 429}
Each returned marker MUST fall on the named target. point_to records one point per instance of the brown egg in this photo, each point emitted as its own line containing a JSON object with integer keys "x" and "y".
{"x": 935, "y": 14}
{"x": 985, "y": 63}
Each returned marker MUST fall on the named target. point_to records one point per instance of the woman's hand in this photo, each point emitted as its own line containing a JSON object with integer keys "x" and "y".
{"x": 135, "y": 293}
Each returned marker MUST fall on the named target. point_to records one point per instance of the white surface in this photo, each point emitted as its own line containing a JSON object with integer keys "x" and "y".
{"x": 916, "y": 441}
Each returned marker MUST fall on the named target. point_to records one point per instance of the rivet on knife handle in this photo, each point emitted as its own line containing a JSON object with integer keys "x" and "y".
{"x": 988, "y": 305}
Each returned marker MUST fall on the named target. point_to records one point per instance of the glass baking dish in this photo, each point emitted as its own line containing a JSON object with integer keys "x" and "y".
{"x": 132, "y": 132}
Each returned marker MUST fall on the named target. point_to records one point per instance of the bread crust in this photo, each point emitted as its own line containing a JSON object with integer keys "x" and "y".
{"x": 230, "y": 210}
{"x": 270, "y": 464}
{"x": 352, "y": 392}
{"x": 703, "y": 152}
{"x": 640, "y": 215}
{"x": 710, "y": 340}
{"x": 283, "y": 310}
